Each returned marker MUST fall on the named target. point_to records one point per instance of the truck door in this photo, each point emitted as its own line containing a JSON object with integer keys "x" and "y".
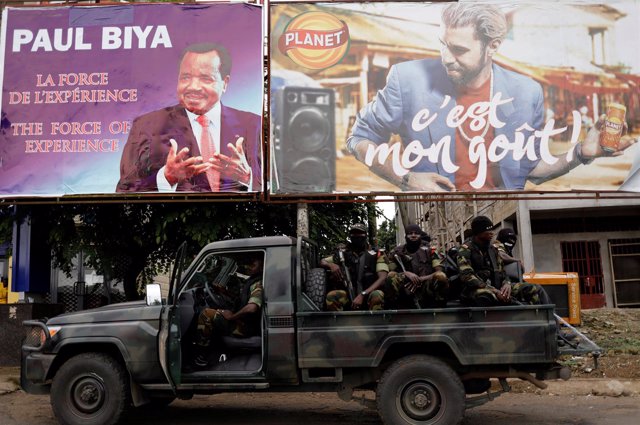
{"x": 169, "y": 339}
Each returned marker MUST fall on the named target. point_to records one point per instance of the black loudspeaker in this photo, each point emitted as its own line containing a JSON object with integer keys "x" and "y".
{"x": 304, "y": 140}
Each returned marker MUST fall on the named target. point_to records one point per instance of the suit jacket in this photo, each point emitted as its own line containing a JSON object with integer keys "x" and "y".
{"x": 148, "y": 145}
{"x": 415, "y": 85}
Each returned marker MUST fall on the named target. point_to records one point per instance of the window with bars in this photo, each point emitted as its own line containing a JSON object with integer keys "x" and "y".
{"x": 583, "y": 257}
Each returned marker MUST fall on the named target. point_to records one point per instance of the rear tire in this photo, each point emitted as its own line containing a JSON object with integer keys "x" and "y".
{"x": 90, "y": 389}
{"x": 420, "y": 390}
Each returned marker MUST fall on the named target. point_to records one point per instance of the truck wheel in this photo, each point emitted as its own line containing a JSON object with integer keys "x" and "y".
{"x": 90, "y": 388}
{"x": 420, "y": 390}
{"x": 316, "y": 286}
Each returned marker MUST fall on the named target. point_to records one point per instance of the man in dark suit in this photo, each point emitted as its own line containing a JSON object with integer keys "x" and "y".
{"x": 198, "y": 145}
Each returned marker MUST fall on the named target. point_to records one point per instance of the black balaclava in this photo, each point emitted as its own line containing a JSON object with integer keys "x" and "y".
{"x": 508, "y": 238}
{"x": 412, "y": 246}
{"x": 358, "y": 242}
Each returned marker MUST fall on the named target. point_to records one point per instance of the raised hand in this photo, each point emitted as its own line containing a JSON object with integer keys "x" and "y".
{"x": 180, "y": 167}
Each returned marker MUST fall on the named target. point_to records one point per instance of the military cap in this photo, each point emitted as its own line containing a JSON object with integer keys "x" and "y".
{"x": 481, "y": 224}
{"x": 506, "y": 234}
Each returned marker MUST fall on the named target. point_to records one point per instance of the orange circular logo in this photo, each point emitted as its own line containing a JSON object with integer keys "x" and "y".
{"x": 315, "y": 40}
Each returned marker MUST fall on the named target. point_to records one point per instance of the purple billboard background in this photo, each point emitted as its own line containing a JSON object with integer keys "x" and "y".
{"x": 153, "y": 72}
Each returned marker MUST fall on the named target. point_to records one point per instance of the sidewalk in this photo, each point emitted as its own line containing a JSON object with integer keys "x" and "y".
{"x": 10, "y": 379}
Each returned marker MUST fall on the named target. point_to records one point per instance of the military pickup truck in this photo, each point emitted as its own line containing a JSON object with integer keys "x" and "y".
{"x": 425, "y": 366}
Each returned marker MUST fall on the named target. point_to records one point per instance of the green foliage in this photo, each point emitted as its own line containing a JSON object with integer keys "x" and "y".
{"x": 135, "y": 242}
{"x": 329, "y": 223}
{"x": 6, "y": 223}
{"x": 387, "y": 234}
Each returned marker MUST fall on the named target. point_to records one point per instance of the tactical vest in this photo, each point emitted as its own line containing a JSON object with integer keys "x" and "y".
{"x": 420, "y": 263}
{"x": 366, "y": 270}
{"x": 481, "y": 262}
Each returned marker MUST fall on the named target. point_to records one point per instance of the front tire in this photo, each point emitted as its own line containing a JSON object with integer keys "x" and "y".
{"x": 90, "y": 389}
{"x": 420, "y": 390}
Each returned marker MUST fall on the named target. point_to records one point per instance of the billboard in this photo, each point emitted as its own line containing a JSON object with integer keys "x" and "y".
{"x": 131, "y": 99}
{"x": 454, "y": 97}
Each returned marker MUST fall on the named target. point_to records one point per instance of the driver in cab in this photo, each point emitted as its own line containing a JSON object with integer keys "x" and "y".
{"x": 215, "y": 323}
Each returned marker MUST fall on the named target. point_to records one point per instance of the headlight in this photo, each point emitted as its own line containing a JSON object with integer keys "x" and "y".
{"x": 53, "y": 330}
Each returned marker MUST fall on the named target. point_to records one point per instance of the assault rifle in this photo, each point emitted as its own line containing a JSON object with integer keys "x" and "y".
{"x": 347, "y": 276}
{"x": 416, "y": 302}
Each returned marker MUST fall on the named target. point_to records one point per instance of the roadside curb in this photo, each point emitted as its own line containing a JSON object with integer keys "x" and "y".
{"x": 606, "y": 387}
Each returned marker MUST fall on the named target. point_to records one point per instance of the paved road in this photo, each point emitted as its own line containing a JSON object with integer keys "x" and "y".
{"x": 326, "y": 409}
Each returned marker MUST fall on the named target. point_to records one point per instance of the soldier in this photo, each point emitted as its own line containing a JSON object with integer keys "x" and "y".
{"x": 213, "y": 323}
{"x": 504, "y": 243}
{"x": 416, "y": 277}
{"x": 484, "y": 282}
{"x": 367, "y": 271}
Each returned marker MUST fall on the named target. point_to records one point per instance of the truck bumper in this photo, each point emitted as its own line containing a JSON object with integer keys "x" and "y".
{"x": 33, "y": 372}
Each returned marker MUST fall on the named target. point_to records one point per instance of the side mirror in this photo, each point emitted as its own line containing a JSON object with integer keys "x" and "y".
{"x": 154, "y": 295}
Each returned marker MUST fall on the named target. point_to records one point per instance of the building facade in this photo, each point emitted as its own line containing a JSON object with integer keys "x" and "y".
{"x": 597, "y": 238}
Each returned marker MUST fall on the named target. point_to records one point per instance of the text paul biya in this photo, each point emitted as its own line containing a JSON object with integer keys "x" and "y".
{"x": 481, "y": 152}
{"x": 65, "y": 39}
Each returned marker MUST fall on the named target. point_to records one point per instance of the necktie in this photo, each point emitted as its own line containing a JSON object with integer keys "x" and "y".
{"x": 207, "y": 149}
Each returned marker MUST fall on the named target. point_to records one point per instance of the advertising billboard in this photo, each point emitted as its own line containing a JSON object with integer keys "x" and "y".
{"x": 461, "y": 97}
{"x": 141, "y": 98}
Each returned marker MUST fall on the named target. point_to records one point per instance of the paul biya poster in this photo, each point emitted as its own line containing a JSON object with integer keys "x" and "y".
{"x": 107, "y": 99}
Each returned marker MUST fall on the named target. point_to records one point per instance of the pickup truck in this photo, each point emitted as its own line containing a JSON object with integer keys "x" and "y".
{"x": 426, "y": 366}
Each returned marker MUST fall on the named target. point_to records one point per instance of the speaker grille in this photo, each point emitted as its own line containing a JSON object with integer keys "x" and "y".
{"x": 304, "y": 140}
{"x": 309, "y": 130}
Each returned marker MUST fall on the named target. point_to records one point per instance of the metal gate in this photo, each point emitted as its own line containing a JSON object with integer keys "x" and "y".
{"x": 625, "y": 269}
{"x": 82, "y": 290}
{"x": 583, "y": 257}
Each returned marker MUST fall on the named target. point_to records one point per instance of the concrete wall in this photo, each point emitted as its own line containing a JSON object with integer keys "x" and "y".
{"x": 548, "y": 258}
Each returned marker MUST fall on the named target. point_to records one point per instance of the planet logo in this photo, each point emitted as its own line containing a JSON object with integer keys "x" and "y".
{"x": 315, "y": 40}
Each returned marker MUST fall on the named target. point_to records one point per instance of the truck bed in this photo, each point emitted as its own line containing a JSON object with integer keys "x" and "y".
{"x": 474, "y": 336}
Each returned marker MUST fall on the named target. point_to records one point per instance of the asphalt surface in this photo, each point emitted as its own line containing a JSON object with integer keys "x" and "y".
{"x": 575, "y": 402}
{"x": 326, "y": 409}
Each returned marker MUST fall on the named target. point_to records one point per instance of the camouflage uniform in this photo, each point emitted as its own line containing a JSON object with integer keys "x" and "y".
{"x": 374, "y": 262}
{"x": 432, "y": 293}
{"x": 538, "y": 294}
{"x": 212, "y": 324}
{"x": 481, "y": 269}
{"x": 500, "y": 247}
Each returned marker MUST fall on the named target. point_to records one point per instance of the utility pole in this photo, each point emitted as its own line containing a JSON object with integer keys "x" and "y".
{"x": 303, "y": 220}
